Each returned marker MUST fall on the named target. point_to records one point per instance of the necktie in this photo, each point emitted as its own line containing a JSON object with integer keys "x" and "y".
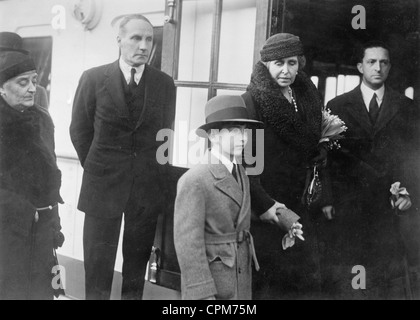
{"x": 373, "y": 109}
{"x": 235, "y": 172}
{"x": 132, "y": 83}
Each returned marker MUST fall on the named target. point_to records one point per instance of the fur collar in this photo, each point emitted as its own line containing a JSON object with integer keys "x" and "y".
{"x": 27, "y": 160}
{"x": 302, "y": 130}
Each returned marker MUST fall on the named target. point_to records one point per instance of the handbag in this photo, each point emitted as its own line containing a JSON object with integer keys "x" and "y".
{"x": 312, "y": 197}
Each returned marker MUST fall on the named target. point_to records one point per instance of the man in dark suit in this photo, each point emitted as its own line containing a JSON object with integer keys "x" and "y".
{"x": 118, "y": 110}
{"x": 379, "y": 149}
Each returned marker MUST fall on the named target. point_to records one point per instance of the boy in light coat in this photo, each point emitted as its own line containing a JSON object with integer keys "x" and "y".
{"x": 212, "y": 219}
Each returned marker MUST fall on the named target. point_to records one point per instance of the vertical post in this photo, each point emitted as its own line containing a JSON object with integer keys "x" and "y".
{"x": 262, "y": 27}
{"x": 171, "y": 35}
{"x": 283, "y": 16}
{"x": 214, "y": 64}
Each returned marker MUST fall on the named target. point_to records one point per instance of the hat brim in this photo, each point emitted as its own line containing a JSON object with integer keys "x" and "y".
{"x": 202, "y": 130}
{"x": 9, "y": 49}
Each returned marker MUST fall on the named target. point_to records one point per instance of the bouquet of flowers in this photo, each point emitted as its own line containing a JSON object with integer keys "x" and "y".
{"x": 332, "y": 128}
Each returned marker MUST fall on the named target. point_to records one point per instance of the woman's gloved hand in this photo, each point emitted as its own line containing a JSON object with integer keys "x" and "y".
{"x": 321, "y": 154}
{"x": 58, "y": 239}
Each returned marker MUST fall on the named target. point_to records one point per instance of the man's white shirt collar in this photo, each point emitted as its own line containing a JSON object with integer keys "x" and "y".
{"x": 126, "y": 70}
{"x": 367, "y": 94}
{"x": 228, "y": 164}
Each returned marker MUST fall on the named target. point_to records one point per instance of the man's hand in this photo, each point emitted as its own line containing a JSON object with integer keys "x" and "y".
{"x": 403, "y": 203}
{"x": 270, "y": 215}
{"x": 329, "y": 212}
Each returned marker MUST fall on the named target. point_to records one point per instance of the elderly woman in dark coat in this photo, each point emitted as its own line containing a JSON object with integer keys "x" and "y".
{"x": 29, "y": 185}
{"x": 288, "y": 103}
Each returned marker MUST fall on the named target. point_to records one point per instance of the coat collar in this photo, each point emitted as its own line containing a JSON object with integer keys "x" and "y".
{"x": 228, "y": 185}
{"x": 246, "y": 197}
{"x": 225, "y": 182}
{"x": 302, "y": 130}
{"x": 114, "y": 85}
{"x": 359, "y": 111}
{"x": 388, "y": 110}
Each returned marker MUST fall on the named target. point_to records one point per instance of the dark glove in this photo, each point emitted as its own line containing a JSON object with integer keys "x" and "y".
{"x": 58, "y": 239}
{"x": 321, "y": 154}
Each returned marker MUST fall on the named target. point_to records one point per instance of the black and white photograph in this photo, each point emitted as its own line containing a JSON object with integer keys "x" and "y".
{"x": 241, "y": 150}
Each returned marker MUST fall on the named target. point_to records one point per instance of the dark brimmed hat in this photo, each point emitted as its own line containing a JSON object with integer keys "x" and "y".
{"x": 225, "y": 109}
{"x": 10, "y": 41}
{"x": 13, "y": 63}
{"x": 281, "y": 45}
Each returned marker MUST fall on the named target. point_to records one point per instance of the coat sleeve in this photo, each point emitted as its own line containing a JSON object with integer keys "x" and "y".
{"x": 81, "y": 127}
{"x": 260, "y": 200}
{"x": 189, "y": 224}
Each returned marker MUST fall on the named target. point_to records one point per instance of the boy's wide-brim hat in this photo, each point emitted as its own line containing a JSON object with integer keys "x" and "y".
{"x": 225, "y": 109}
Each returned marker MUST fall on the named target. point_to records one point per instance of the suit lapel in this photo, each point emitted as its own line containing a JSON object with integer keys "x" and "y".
{"x": 387, "y": 111}
{"x": 149, "y": 95}
{"x": 359, "y": 111}
{"x": 245, "y": 195}
{"x": 115, "y": 88}
{"x": 225, "y": 182}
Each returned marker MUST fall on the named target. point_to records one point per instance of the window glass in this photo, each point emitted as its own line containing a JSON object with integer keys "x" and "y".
{"x": 190, "y": 115}
{"x": 237, "y": 41}
{"x": 195, "y": 41}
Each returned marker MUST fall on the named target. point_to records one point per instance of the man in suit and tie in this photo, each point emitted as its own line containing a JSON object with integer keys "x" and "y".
{"x": 118, "y": 110}
{"x": 379, "y": 149}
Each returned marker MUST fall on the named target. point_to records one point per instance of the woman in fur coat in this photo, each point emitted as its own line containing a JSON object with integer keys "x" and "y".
{"x": 285, "y": 99}
{"x": 29, "y": 186}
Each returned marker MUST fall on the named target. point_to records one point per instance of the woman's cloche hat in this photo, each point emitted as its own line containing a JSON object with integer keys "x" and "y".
{"x": 225, "y": 108}
{"x": 10, "y": 41}
{"x": 281, "y": 45}
{"x": 14, "y": 63}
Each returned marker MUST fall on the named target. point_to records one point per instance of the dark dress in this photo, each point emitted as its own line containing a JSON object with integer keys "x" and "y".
{"x": 29, "y": 179}
{"x": 290, "y": 143}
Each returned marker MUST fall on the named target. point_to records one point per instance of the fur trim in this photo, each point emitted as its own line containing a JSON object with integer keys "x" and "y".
{"x": 302, "y": 130}
{"x": 27, "y": 159}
